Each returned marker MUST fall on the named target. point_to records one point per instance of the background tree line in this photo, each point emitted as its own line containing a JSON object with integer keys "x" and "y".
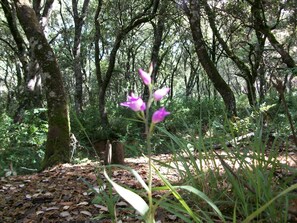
{"x": 83, "y": 57}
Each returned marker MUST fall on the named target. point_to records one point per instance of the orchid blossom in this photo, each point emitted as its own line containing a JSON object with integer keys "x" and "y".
{"x": 159, "y": 115}
{"x": 134, "y": 103}
{"x": 159, "y": 94}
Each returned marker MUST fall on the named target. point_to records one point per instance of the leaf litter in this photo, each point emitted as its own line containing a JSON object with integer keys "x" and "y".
{"x": 59, "y": 195}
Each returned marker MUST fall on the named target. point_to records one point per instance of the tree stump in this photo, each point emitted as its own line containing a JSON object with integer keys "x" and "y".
{"x": 118, "y": 153}
{"x": 114, "y": 153}
{"x": 111, "y": 153}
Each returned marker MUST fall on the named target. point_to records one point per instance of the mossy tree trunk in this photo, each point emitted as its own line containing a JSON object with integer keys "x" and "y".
{"x": 57, "y": 146}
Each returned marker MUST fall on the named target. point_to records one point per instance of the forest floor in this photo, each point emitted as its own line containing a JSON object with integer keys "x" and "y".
{"x": 60, "y": 194}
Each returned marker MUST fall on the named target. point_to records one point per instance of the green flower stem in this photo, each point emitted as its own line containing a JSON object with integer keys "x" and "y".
{"x": 148, "y": 133}
{"x": 141, "y": 115}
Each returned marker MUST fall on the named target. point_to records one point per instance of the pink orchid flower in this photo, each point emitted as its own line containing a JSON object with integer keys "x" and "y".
{"x": 134, "y": 103}
{"x": 159, "y": 94}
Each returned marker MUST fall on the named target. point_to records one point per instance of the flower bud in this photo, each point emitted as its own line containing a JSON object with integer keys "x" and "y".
{"x": 159, "y": 115}
{"x": 146, "y": 77}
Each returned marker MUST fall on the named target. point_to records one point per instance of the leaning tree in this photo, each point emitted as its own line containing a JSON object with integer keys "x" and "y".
{"x": 57, "y": 146}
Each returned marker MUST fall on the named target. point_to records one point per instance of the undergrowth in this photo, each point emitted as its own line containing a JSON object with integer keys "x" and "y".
{"x": 242, "y": 179}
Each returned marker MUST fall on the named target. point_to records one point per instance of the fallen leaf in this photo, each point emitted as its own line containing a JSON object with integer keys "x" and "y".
{"x": 122, "y": 204}
{"x": 84, "y": 203}
{"x": 172, "y": 217}
{"x": 52, "y": 208}
{"x": 86, "y": 213}
{"x": 66, "y": 207}
{"x": 69, "y": 203}
{"x": 48, "y": 194}
{"x": 101, "y": 207}
{"x": 64, "y": 214}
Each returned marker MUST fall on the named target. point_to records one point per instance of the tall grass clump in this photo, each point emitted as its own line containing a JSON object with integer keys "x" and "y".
{"x": 234, "y": 167}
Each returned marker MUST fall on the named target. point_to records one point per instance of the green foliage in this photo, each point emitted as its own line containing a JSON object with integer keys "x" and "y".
{"x": 188, "y": 114}
{"x": 87, "y": 121}
{"x": 252, "y": 121}
{"x": 125, "y": 127}
{"x": 22, "y": 144}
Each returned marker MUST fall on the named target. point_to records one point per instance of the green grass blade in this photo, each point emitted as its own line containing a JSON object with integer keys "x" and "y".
{"x": 261, "y": 209}
{"x": 177, "y": 196}
{"x": 204, "y": 197}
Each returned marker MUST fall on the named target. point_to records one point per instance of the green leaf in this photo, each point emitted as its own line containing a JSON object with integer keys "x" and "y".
{"x": 132, "y": 198}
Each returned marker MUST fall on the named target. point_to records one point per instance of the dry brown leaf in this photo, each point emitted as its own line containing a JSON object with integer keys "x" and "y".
{"x": 52, "y": 208}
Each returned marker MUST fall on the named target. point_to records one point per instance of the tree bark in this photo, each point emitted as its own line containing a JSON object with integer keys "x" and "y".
{"x": 158, "y": 35}
{"x": 155, "y": 57}
{"x": 193, "y": 14}
{"x": 57, "y": 145}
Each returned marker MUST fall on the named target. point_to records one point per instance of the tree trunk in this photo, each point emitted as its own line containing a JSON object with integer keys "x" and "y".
{"x": 27, "y": 79}
{"x": 76, "y": 50}
{"x": 158, "y": 35}
{"x": 103, "y": 83}
{"x": 193, "y": 14}
{"x": 57, "y": 145}
{"x": 260, "y": 25}
{"x": 246, "y": 73}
